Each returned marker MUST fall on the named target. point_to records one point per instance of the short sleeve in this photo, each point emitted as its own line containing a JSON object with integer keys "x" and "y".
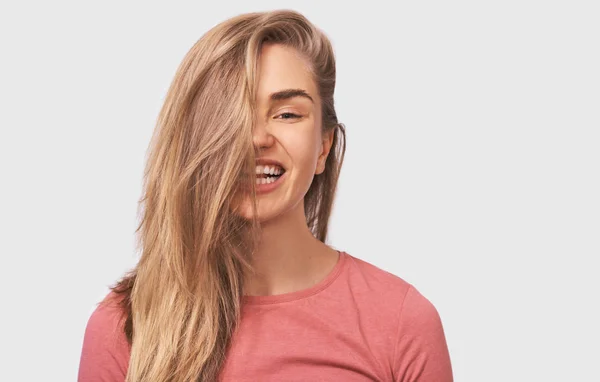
{"x": 421, "y": 353}
{"x": 105, "y": 352}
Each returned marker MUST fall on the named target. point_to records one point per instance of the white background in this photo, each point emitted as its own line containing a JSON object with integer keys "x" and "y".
{"x": 472, "y": 171}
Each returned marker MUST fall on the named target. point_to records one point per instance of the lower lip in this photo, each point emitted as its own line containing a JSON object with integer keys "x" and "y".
{"x": 268, "y": 187}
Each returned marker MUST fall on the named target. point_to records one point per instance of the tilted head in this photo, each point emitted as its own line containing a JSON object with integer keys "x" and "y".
{"x": 256, "y": 87}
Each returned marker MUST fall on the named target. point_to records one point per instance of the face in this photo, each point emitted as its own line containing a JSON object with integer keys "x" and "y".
{"x": 288, "y": 131}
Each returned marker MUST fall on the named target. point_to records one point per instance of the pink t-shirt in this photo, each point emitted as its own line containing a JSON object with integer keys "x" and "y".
{"x": 360, "y": 323}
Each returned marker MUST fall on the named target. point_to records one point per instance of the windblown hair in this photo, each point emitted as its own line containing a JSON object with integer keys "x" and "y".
{"x": 181, "y": 302}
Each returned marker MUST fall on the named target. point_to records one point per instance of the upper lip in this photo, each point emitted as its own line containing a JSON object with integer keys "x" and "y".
{"x": 267, "y": 161}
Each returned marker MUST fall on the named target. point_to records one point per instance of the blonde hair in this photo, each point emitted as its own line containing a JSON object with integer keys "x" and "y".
{"x": 181, "y": 302}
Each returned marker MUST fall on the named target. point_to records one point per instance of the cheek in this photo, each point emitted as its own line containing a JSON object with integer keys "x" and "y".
{"x": 303, "y": 149}
{"x": 304, "y": 166}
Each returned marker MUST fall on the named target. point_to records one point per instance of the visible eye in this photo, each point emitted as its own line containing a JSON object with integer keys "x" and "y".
{"x": 288, "y": 115}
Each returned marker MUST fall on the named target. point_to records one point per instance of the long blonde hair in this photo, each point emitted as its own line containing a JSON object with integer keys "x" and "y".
{"x": 181, "y": 302}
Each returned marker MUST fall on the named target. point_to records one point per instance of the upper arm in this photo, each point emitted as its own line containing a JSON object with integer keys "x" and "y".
{"x": 421, "y": 353}
{"x": 105, "y": 352}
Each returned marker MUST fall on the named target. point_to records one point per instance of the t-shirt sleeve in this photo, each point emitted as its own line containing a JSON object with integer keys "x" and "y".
{"x": 421, "y": 353}
{"x": 105, "y": 352}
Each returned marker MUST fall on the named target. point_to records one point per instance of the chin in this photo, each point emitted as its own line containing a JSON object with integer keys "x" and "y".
{"x": 265, "y": 213}
{"x": 270, "y": 205}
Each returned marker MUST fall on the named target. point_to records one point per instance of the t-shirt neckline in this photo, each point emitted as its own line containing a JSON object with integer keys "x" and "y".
{"x": 300, "y": 294}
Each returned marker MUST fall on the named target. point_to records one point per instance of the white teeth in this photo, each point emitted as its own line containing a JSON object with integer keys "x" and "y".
{"x": 268, "y": 170}
{"x": 265, "y": 180}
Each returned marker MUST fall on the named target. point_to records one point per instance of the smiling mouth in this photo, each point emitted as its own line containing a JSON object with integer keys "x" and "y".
{"x": 266, "y": 174}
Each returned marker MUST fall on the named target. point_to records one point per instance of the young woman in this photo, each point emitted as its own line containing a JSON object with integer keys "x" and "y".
{"x": 235, "y": 281}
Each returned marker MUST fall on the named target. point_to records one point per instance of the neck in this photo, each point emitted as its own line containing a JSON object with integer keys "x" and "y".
{"x": 289, "y": 257}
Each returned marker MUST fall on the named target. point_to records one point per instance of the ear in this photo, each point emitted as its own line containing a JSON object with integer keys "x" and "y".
{"x": 326, "y": 147}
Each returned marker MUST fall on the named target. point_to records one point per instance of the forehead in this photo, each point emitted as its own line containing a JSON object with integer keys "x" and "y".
{"x": 281, "y": 67}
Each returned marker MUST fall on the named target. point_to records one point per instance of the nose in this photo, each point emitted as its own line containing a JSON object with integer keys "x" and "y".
{"x": 262, "y": 137}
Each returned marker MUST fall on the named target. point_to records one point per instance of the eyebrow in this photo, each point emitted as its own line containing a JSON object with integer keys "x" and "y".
{"x": 290, "y": 93}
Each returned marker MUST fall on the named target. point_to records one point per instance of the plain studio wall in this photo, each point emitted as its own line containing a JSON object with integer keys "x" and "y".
{"x": 472, "y": 168}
